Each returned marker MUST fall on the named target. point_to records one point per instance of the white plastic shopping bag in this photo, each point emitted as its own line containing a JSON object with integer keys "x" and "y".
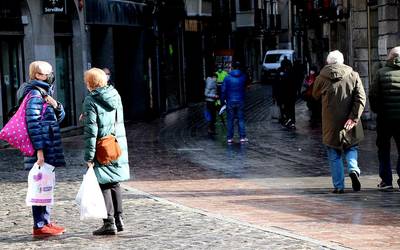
{"x": 275, "y": 111}
{"x": 90, "y": 198}
{"x": 41, "y": 182}
{"x": 222, "y": 110}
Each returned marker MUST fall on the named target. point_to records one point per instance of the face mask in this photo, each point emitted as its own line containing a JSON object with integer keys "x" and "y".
{"x": 50, "y": 78}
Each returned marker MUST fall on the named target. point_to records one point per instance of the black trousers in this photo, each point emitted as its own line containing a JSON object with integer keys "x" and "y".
{"x": 385, "y": 130}
{"x": 289, "y": 109}
{"x": 112, "y": 198}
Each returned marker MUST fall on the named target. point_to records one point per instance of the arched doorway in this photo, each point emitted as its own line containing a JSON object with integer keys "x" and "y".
{"x": 63, "y": 35}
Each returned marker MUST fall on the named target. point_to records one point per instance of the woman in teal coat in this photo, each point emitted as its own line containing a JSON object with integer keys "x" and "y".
{"x": 103, "y": 115}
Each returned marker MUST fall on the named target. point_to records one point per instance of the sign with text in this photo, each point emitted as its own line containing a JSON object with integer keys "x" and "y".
{"x": 54, "y": 6}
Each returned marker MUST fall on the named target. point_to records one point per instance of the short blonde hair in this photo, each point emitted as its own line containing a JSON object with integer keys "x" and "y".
{"x": 39, "y": 67}
{"x": 335, "y": 57}
{"x": 95, "y": 78}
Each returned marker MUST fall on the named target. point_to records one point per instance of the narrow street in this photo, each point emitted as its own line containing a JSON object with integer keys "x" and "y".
{"x": 190, "y": 191}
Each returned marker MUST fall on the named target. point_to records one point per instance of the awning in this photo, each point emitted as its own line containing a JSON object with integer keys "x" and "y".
{"x": 116, "y": 12}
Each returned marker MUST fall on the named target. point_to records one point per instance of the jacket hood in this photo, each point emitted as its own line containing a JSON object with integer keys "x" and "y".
{"x": 107, "y": 97}
{"x": 395, "y": 63}
{"x": 336, "y": 72}
{"x": 26, "y": 87}
{"x": 235, "y": 73}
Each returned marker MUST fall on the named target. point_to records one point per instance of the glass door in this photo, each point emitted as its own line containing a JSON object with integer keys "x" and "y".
{"x": 10, "y": 74}
{"x": 64, "y": 78}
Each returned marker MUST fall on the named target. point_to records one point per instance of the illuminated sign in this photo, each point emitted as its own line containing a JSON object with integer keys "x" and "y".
{"x": 54, "y": 6}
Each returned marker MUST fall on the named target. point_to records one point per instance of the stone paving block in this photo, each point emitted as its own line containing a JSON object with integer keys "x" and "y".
{"x": 271, "y": 193}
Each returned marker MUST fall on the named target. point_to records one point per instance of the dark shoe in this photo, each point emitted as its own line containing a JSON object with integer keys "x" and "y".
{"x": 211, "y": 132}
{"x": 119, "y": 223}
{"x": 355, "y": 182}
{"x": 287, "y": 122}
{"x": 385, "y": 187}
{"x": 108, "y": 228}
{"x": 291, "y": 126}
{"x": 338, "y": 191}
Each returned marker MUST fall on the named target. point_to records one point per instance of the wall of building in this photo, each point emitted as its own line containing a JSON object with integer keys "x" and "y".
{"x": 374, "y": 30}
{"x": 38, "y": 43}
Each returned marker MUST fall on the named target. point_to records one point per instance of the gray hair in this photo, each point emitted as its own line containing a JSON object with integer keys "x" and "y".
{"x": 395, "y": 52}
{"x": 335, "y": 57}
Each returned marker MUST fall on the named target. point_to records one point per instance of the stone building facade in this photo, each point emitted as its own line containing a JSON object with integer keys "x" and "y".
{"x": 141, "y": 41}
{"x": 375, "y": 29}
{"x": 363, "y": 30}
{"x": 28, "y": 33}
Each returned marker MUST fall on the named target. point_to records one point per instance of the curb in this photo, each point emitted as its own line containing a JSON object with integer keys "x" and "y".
{"x": 273, "y": 230}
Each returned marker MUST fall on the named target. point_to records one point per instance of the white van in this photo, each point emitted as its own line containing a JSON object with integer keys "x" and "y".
{"x": 272, "y": 61}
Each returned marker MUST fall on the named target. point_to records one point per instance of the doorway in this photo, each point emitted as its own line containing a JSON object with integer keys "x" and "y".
{"x": 64, "y": 78}
{"x": 11, "y": 72}
{"x": 63, "y": 35}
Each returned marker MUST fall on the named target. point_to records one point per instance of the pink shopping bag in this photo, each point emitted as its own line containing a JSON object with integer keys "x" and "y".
{"x": 15, "y": 132}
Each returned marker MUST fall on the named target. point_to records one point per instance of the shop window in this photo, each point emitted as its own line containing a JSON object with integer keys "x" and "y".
{"x": 11, "y": 59}
{"x": 10, "y": 73}
{"x": 10, "y": 16}
{"x": 63, "y": 69}
{"x": 245, "y": 5}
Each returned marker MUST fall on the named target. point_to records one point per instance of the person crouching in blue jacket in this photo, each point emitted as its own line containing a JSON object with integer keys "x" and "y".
{"x": 44, "y": 132}
{"x": 232, "y": 93}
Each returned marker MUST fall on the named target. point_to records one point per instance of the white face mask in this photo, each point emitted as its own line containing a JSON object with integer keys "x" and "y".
{"x": 108, "y": 78}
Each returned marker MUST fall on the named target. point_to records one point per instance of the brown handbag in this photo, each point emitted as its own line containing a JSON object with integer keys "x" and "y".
{"x": 107, "y": 148}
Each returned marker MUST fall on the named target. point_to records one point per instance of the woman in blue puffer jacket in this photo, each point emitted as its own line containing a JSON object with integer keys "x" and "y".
{"x": 44, "y": 132}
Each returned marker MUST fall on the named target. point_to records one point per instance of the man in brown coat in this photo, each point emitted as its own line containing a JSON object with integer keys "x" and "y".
{"x": 343, "y": 101}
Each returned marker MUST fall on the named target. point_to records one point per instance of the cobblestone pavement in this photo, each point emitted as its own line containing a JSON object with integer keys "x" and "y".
{"x": 190, "y": 191}
{"x": 280, "y": 179}
{"x": 151, "y": 223}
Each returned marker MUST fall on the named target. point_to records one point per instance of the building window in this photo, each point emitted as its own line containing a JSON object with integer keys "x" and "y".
{"x": 245, "y": 5}
{"x": 271, "y": 7}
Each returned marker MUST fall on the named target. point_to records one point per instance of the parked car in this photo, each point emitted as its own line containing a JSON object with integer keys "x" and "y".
{"x": 272, "y": 61}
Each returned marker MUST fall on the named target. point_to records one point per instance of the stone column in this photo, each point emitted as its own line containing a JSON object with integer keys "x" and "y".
{"x": 388, "y": 27}
{"x": 358, "y": 24}
{"x": 359, "y": 51}
{"x": 42, "y": 27}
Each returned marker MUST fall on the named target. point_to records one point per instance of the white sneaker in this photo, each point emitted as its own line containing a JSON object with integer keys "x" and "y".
{"x": 243, "y": 140}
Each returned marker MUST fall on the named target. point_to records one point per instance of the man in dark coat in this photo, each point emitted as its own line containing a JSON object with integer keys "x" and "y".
{"x": 384, "y": 97}
{"x": 288, "y": 94}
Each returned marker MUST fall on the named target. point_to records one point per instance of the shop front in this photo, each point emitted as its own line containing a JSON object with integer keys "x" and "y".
{"x": 11, "y": 56}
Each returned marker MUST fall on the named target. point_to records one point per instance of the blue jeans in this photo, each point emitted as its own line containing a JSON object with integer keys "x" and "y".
{"x": 235, "y": 110}
{"x": 335, "y": 158}
{"x": 41, "y": 216}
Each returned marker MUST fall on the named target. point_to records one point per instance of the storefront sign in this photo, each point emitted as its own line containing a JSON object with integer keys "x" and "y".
{"x": 54, "y": 6}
